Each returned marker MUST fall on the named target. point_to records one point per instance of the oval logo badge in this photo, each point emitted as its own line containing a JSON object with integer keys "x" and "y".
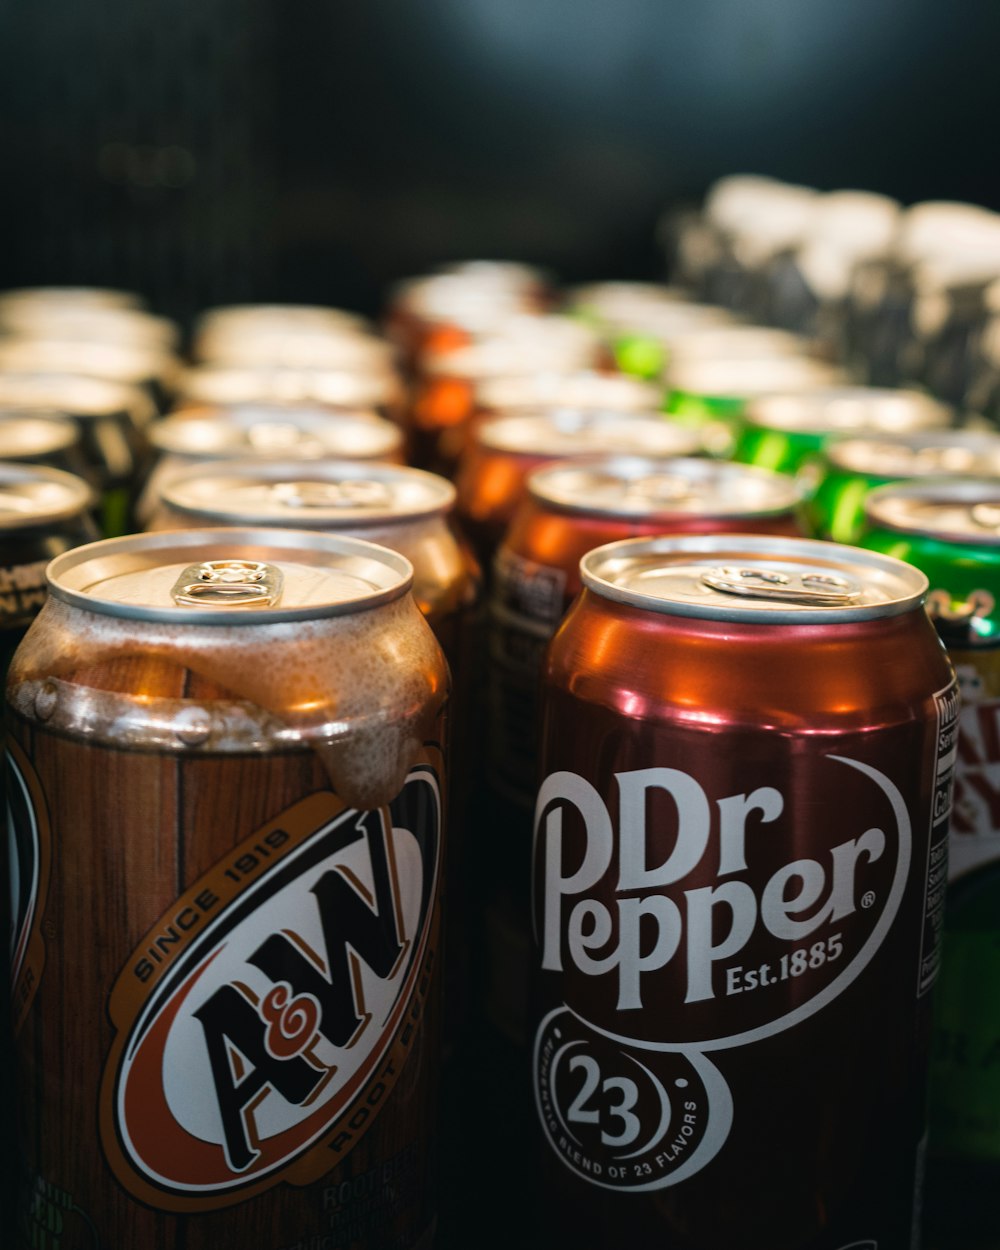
{"x": 263, "y": 1020}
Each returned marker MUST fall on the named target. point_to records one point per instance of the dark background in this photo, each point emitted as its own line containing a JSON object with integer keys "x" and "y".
{"x": 208, "y": 150}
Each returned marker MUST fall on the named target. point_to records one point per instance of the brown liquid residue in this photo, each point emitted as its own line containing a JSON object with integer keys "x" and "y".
{"x": 362, "y": 689}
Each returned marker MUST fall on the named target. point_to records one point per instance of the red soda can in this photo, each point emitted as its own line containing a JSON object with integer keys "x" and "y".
{"x": 739, "y": 854}
{"x": 503, "y": 451}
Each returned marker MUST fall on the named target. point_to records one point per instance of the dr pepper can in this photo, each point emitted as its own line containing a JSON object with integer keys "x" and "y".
{"x": 225, "y": 766}
{"x": 740, "y": 838}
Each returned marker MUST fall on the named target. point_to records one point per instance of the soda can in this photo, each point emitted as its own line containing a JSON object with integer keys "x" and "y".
{"x": 225, "y": 754}
{"x": 41, "y": 438}
{"x": 444, "y": 394}
{"x": 226, "y": 387}
{"x": 503, "y": 451}
{"x": 43, "y": 512}
{"x": 569, "y": 508}
{"x": 715, "y": 393}
{"x": 408, "y": 511}
{"x": 216, "y": 329}
{"x": 77, "y": 298}
{"x": 452, "y": 307}
{"x": 335, "y": 351}
{"x": 747, "y": 752}
{"x": 855, "y": 466}
{"x": 950, "y": 529}
{"x": 262, "y": 432}
{"x": 401, "y": 508}
{"x": 787, "y": 433}
{"x": 634, "y": 317}
{"x": 579, "y": 392}
{"x": 148, "y": 367}
{"x": 112, "y": 420}
{"x": 130, "y": 327}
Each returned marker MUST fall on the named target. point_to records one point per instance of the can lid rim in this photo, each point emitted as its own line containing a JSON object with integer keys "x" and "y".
{"x": 79, "y": 494}
{"x": 440, "y": 492}
{"x": 68, "y": 580}
{"x": 954, "y": 490}
{"x": 791, "y": 495}
{"x": 713, "y": 545}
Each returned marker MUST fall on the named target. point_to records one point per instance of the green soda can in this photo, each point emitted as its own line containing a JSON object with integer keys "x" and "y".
{"x": 788, "y": 433}
{"x": 718, "y": 391}
{"x": 856, "y": 466}
{"x": 950, "y": 529}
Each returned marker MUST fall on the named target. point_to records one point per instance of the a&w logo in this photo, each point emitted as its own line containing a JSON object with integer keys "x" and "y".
{"x": 264, "y": 1020}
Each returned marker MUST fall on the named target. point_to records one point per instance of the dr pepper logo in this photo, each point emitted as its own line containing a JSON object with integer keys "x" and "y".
{"x": 262, "y": 1022}
{"x": 28, "y": 852}
{"x": 682, "y": 922}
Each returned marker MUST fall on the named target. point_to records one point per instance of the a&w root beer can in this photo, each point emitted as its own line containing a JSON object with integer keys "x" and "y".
{"x": 739, "y": 859}
{"x": 225, "y": 794}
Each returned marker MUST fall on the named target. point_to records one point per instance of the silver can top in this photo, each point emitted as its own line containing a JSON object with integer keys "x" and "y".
{"x": 271, "y": 430}
{"x": 228, "y": 386}
{"x": 229, "y": 576}
{"x": 933, "y": 454}
{"x": 745, "y": 379}
{"x": 848, "y": 409}
{"x": 637, "y": 486}
{"x": 327, "y": 495}
{"x": 33, "y": 495}
{"x": 747, "y": 578}
{"x": 570, "y": 432}
{"x": 952, "y": 509}
{"x": 579, "y": 391}
{"x": 79, "y": 397}
{"x": 33, "y": 435}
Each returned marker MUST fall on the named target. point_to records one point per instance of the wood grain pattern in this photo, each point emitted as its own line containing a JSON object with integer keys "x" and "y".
{"x": 132, "y": 830}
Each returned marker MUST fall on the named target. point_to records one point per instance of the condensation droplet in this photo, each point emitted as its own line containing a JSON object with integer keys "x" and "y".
{"x": 46, "y": 700}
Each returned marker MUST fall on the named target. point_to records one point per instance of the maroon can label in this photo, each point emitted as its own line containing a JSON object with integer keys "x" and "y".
{"x": 262, "y": 1023}
{"x": 687, "y": 912}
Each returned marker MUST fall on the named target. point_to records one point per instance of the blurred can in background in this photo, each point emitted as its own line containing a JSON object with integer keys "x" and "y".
{"x": 854, "y": 466}
{"x": 262, "y": 432}
{"x": 950, "y": 529}
{"x": 504, "y": 450}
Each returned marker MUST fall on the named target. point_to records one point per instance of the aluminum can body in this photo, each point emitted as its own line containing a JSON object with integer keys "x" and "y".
{"x": 855, "y": 466}
{"x": 45, "y": 438}
{"x": 225, "y": 768}
{"x": 716, "y": 391}
{"x": 787, "y": 433}
{"x": 43, "y": 512}
{"x": 502, "y": 452}
{"x": 948, "y": 529}
{"x": 569, "y": 509}
{"x": 398, "y": 507}
{"x": 112, "y": 420}
{"x": 262, "y": 432}
{"x": 727, "y": 722}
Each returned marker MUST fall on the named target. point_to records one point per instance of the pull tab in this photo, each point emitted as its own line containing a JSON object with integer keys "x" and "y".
{"x": 816, "y": 589}
{"x": 352, "y": 493}
{"x": 228, "y": 584}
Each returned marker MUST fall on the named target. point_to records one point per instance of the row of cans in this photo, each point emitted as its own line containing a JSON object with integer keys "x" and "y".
{"x": 905, "y": 295}
{"x": 249, "y": 672}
